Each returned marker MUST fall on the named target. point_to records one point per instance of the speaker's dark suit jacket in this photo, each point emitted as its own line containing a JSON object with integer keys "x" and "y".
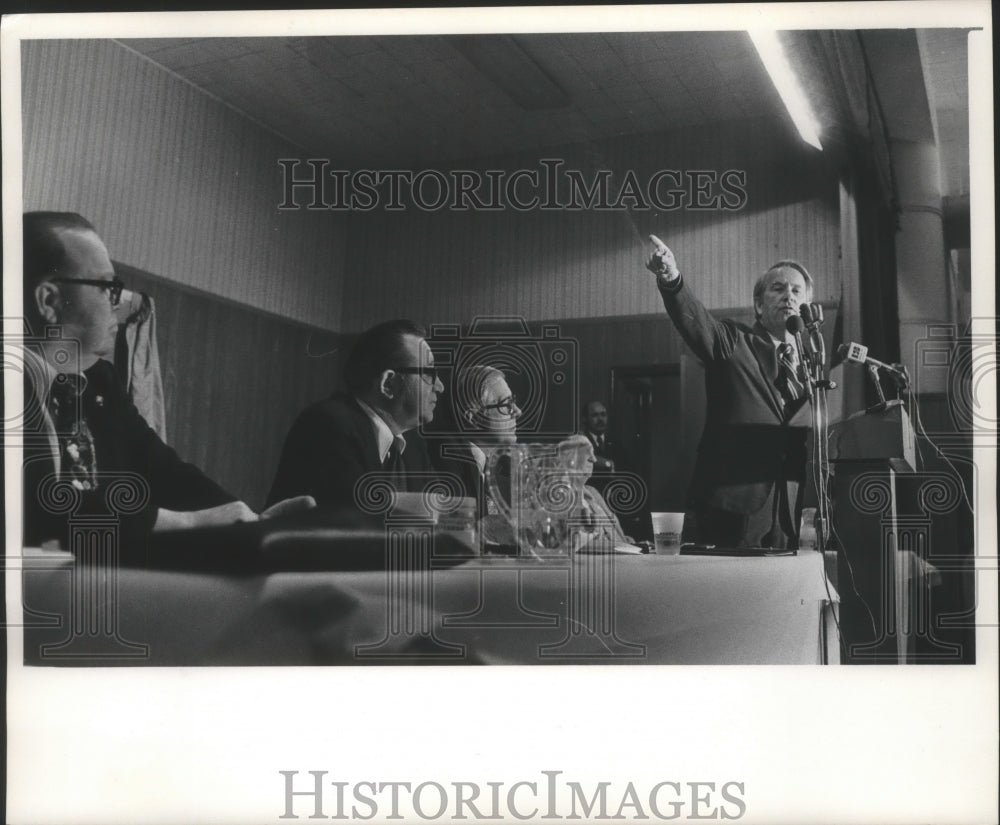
{"x": 329, "y": 447}
{"x": 752, "y": 441}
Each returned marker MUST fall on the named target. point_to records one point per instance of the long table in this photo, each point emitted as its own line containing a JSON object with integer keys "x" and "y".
{"x": 588, "y": 609}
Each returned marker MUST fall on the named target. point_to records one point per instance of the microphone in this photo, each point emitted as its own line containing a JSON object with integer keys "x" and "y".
{"x": 795, "y": 326}
{"x": 858, "y": 354}
{"x": 812, "y": 315}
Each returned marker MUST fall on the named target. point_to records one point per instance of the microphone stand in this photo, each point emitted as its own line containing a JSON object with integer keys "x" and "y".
{"x": 884, "y": 403}
{"x": 819, "y": 379}
{"x": 873, "y": 374}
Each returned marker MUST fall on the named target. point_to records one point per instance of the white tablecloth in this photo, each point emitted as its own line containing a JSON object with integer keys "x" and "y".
{"x": 591, "y": 609}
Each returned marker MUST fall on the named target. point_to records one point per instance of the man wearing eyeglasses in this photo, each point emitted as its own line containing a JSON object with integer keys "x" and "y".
{"x": 392, "y": 387}
{"x": 91, "y": 436}
{"x": 486, "y": 414}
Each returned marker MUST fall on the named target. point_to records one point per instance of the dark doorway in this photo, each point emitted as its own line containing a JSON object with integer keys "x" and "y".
{"x": 647, "y": 419}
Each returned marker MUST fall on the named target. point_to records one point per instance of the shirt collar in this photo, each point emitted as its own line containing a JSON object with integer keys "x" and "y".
{"x": 383, "y": 435}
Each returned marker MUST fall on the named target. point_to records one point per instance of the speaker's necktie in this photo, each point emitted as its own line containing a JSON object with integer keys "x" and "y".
{"x": 791, "y": 387}
{"x": 76, "y": 444}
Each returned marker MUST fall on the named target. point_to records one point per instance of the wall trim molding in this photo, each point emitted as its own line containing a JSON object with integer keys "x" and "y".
{"x": 125, "y": 270}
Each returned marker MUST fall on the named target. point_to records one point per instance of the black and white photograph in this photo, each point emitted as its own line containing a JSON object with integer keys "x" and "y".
{"x": 644, "y": 354}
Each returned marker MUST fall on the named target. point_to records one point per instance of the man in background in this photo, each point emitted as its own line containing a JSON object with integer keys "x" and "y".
{"x": 392, "y": 387}
{"x": 89, "y": 434}
{"x": 748, "y": 478}
{"x": 595, "y": 427}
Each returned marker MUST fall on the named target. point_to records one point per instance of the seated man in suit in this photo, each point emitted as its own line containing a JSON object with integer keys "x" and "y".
{"x": 89, "y": 435}
{"x": 392, "y": 387}
{"x": 749, "y": 475}
{"x": 486, "y": 414}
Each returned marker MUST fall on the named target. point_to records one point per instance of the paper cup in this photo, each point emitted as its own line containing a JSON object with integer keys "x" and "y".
{"x": 667, "y": 529}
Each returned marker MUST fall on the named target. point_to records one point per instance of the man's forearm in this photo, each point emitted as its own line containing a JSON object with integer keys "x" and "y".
{"x": 224, "y": 514}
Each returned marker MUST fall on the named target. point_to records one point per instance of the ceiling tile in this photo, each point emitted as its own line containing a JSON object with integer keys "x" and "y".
{"x": 403, "y": 99}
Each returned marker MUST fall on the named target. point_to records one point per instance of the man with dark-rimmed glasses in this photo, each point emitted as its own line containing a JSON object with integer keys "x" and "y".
{"x": 486, "y": 414}
{"x": 86, "y": 432}
{"x": 392, "y": 387}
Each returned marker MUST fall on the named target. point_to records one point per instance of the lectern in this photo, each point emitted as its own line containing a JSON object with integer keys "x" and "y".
{"x": 868, "y": 452}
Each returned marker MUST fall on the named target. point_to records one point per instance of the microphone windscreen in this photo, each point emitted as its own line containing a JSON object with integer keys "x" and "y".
{"x": 794, "y": 324}
{"x": 856, "y": 353}
{"x": 839, "y": 356}
{"x": 806, "y": 312}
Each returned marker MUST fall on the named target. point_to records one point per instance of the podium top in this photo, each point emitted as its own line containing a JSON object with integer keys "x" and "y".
{"x": 885, "y": 435}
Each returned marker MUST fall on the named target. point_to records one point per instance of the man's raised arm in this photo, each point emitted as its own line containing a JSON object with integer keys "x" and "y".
{"x": 709, "y": 338}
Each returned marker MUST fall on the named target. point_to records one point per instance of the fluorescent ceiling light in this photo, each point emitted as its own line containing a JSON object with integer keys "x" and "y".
{"x": 773, "y": 57}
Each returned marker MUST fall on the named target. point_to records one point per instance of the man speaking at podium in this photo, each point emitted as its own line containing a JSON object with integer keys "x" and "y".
{"x": 747, "y": 486}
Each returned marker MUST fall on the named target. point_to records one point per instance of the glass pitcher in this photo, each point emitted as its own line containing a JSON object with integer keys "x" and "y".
{"x": 538, "y": 491}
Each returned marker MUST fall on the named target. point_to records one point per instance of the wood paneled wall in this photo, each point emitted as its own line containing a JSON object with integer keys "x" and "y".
{"x": 175, "y": 182}
{"x": 234, "y": 379}
{"x": 451, "y": 266}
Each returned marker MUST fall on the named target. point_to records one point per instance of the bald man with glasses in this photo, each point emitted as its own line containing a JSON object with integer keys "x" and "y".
{"x": 392, "y": 387}
{"x": 90, "y": 435}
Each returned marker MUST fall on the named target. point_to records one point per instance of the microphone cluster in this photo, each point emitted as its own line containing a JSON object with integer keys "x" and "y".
{"x": 811, "y": 348}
